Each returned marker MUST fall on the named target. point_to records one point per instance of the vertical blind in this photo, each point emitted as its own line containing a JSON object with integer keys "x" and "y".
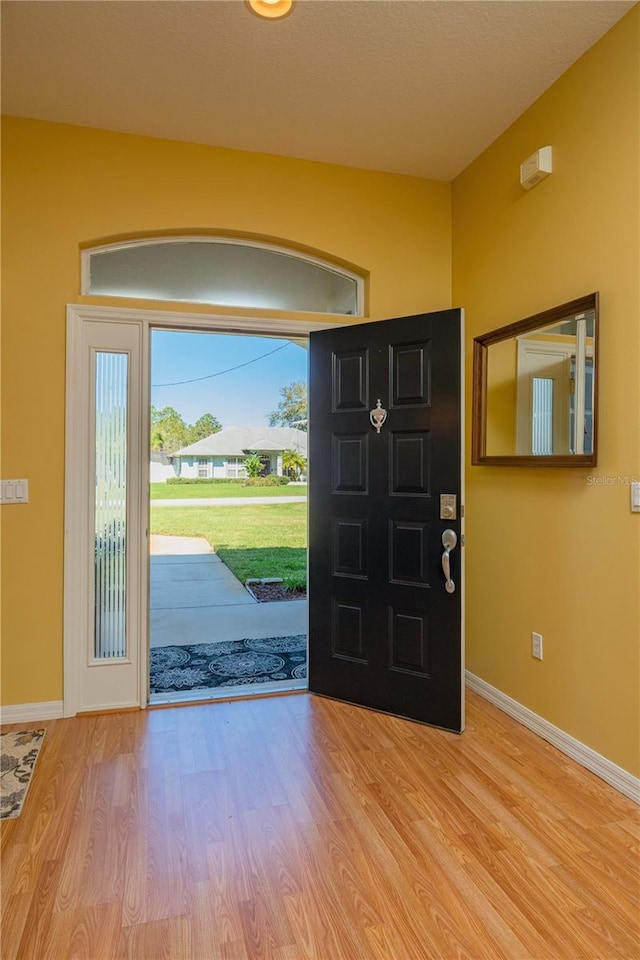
{"x": 111, "y": 402}
{"x": 542, "y": 425}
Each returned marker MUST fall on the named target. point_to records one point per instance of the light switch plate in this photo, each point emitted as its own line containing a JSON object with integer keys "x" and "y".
{"x": 635, "y": 496}
{"x": 14, "y": 491}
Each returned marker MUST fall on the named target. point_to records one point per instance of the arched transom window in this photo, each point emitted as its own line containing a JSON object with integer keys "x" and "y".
{"x": 223, "y": 271}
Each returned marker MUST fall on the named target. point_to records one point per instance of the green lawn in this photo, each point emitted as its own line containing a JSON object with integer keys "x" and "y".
{"x": 187, "y": 491}
{"x": 259, "y": 540}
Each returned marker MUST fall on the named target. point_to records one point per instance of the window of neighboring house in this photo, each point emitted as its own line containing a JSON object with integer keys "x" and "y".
{"x": 221, "y": 270}
{"x": 235, "y": 468}
{"x": 203, "y": 467}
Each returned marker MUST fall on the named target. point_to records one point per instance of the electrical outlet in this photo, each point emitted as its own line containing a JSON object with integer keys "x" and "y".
{"x": 536, "y": 645}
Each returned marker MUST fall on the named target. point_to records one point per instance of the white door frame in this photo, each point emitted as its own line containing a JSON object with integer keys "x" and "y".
{"x": 76, "y": 578}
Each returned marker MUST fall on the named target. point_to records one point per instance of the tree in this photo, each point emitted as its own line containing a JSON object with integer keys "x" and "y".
{"x": 203, "y": 427}
{"x": 292, "y": 409}
{"x": 169, "y": 431}
{"x": 157, "y": 439}
{"x": 168, "y": 424}
{"x": 293, "y": 463}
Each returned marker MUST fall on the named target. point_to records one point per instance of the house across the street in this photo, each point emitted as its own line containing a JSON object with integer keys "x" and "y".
{"x": 222, "y": 455}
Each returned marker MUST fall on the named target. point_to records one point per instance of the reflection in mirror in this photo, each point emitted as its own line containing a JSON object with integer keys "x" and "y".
{"x": 535, "y": 389}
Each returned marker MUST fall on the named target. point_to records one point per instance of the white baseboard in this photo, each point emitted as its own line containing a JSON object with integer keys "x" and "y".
{"x": 26, "y": 712}
{"x": 610, "y": 772}
{"x": 108, "y": 708}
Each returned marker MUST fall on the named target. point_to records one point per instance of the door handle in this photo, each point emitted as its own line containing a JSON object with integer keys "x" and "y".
{"x": 449, "y": 541}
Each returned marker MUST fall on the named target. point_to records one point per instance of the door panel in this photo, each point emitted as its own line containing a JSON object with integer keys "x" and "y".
{"x": 350, "y": 389}
{"x": 383, "y": 630}
{"x": 350, "y": 461}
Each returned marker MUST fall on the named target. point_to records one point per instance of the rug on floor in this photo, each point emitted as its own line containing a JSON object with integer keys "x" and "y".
{"x": 230, "y": 663}
{"x": 18, "y": 755}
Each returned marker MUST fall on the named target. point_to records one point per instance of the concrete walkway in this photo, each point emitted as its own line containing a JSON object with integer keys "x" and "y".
{"x": 225, "y": 501}
{"x": 196, "y": 599}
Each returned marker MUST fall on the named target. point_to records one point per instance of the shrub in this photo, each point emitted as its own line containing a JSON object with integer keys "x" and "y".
{"x": 253, "y": 466}
{"x": 201, "y": 480}
{"x": 271, "y": 481}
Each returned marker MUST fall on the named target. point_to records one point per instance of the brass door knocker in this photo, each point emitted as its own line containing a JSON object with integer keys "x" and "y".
{"x": 378, "y": 416}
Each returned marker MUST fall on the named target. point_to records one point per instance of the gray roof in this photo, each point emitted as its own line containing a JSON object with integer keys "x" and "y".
{"x": 238, "y": 441}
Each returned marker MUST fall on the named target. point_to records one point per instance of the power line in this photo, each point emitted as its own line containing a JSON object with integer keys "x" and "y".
{"x": 210, "y": 376}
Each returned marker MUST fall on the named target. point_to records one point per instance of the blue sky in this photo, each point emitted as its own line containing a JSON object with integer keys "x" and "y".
{"x": 243, "y": 396}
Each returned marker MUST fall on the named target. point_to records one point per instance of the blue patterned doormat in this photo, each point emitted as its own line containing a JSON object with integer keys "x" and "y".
{"x": 231, "y": 663}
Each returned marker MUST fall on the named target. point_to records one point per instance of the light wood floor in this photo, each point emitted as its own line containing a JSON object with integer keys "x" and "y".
{"x": 296, "y": 827}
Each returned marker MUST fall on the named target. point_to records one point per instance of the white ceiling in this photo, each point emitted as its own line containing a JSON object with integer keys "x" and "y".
{"x": 408, "y": 86}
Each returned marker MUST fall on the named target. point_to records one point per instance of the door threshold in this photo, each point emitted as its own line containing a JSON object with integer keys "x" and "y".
{"x": 228, "y": 693}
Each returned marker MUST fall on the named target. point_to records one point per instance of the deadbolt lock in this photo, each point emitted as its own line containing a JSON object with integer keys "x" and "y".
{"x": 448, "y": 506}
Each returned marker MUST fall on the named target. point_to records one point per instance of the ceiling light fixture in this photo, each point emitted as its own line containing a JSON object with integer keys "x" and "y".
{"x": 271, "y": 9}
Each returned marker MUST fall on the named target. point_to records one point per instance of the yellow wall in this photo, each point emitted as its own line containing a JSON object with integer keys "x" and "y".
{"x": 64, "y": 186}
{"x": 557, "y": 550}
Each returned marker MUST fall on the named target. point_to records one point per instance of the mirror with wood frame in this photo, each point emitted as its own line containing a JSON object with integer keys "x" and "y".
{"x": 535, "y": 389}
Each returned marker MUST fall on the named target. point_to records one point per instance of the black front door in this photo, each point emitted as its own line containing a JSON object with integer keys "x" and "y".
{"x": 385, "y": 623}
